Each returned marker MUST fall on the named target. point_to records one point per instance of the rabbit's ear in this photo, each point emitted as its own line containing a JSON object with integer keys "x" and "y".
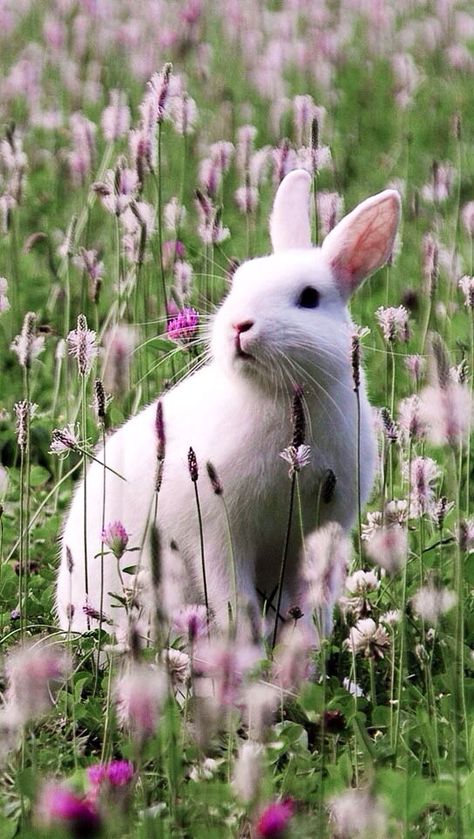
{"x": 289, "y": 224}
{"x": 363, "y": 240}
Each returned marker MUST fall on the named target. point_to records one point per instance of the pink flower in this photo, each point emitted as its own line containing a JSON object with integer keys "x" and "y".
{"x": 296, "y": 457}
{"x": 116, "y": 538}
{"x": 64, "y": 439}
{"x": 246, "y": 198}
{"x": 82, "y": 345}
{"x": 275, "y": 818}
{"x": 393, "y": 322}
{"x": 466, "y": 284}
{"x": 183, "y": 328}
{"x": 58, "y": 805}
{"x": 118, "y": 773}
{"x": 139, "y": 695}
{"x": 388, "y": 547}
{"x": 115, "y": 118}
{"x": 183, "y": 113}
{"x": 330, "y": 206}
{"x": 423, "y": 473}
{"x": 27, "y": 345}
{"x": 227, "y": 664}
{"x": 440, "y": 188}
{"x": 415, "y": 365}
{"x": 30, "y": 671}
{"x": 192, "y": 622}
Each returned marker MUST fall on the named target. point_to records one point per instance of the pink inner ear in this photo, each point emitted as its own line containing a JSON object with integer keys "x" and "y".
{"x": 363, "y": 240}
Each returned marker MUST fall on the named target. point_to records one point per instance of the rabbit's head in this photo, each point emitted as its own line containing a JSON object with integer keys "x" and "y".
{"x": 285, "y": 319}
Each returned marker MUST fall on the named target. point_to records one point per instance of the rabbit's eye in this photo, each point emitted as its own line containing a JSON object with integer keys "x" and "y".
{"x": 309, "y": 298}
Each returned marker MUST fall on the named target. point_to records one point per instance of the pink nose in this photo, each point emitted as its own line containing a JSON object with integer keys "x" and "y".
{"x": 243, "y": 327}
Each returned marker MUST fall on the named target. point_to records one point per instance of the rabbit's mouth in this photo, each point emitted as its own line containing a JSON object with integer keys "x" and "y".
{"x": 240, "y": 353}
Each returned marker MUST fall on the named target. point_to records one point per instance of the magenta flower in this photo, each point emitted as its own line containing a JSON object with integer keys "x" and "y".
{"x": 116, "y": 538}
{"x": 275, "y": 818}
{"x": 183, "y": 327}
{"x": 59, "y": 805}
{"x": 64, "y": 439}
{"x": 192, "y": 622}
{"x": 118, "y": 773}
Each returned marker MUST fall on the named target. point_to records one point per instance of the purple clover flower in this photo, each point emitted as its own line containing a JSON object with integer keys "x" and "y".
{"x": 116, "y": 538}
{"x": 60, "y": 805}
{"x": 118, "y": 773}
{"x": 183, "y": 328}
{"x": 275, "y": 818}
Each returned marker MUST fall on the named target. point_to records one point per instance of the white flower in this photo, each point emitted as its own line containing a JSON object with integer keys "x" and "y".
{"x": 248, "y": 770}
{"x": 430, "y": 602}
{"x": 356, "y": 813}
{"x": 368, "y": 638}
{"x": 296, "y": 457}
{"x": 361, "y": 582}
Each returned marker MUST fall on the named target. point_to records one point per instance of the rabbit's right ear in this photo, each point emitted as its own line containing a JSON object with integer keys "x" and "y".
{"x": 363, "y": 240}
{"x": 290, "y": 222}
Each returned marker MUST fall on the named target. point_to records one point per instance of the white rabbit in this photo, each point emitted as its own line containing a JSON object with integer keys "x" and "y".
{"x": 284, "y": 322}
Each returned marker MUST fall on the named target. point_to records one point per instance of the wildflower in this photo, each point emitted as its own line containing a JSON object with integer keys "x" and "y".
{"x": 178, "y": 667}
{"x": 284, "y": 160}
{"x": 210, "y": 176}
{"x": 362, "y": 582}
{"x": 101, "y": 400}
{"x": 214, "y": 479}
{"x": 64, "y": 439}
{"x": 441, "y": 185}
{"x": 275, "y": 818}
{"x": 118, "y": 773}
{"x": 183, "y": 328}
{"x": 388, "y": 548}
{"x": 440, "y": 510}
{"x": 393, "y": 322}
{"x": 139, "y": 696}
{"x": 298, "y": 458}
{"x": 210, "y": 227}
{"x": 446, "y": 412}
{"x": 291, "y": 663}
{"x": 391, "y": 618}
{"x": 327, "y": 557}
{"x": 466, "y": 284}
{"x": 388, "y": 426}
{"x": 24, "y": 411}
{"x": 247, "y": 774}
{"x": 467, "y": 215}
{"x": 227, "y": 664}
{"x": 174, "y": 215}
{"x": 258, "y": 165}
{"x": 183, "y": 275}
{"x": 59, "y": 806}
{"x": 82, "y": 345}
{"x": 82, "y": 154}
{"x": 246, "y": 198}
{"x": 30, "y": 670}
{"x": 368, "y": 638}
{"x": 95, "y": 615}
{"x": 205, "y": 770}
{"x": 183, "y": 114}
{"x": 356, "y": 813}
{"x": 119, "y": 344}
{"x": 415, "y": 364}
{"x": 423, "y": 473}
{"x": 431, "y": 602}
{"x": 159, "y": 91}
{"x": 245, "y": 142}
{"x": 115, "y": 118}
{"x": 260, "y": 702}
{"x": 4, "y": 302}
{"x": 191, "y": 621}
{"x": 374, "y": 522}
{"x": 116, "y": 538}
{"x": 411, "y": 421}
{"x": 28, "y": 345}
{"x": 330, "y": 207}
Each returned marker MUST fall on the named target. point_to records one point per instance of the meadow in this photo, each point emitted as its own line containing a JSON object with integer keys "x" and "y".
{"x": 141, "y": 145}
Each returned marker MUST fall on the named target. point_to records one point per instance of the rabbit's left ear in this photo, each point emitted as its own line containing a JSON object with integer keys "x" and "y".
{"x": 363, "y": 240}
{"x": 290, "y": 223}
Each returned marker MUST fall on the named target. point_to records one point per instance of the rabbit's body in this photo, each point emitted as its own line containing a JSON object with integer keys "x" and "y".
{"x": 235, "y": 413}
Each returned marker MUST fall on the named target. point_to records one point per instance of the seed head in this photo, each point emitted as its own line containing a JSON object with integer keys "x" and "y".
{"x": 213, "y": 477}
{"x": 192, "y": 465}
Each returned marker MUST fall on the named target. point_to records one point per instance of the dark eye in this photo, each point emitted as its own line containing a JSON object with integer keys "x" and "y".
{"x": 309, "y": 298}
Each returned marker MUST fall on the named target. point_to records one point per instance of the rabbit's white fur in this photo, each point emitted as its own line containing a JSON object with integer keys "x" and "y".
{"x": 235, "y": 412}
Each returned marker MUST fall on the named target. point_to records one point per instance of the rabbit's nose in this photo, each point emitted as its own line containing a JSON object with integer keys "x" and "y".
{"x": 244, "y": 326}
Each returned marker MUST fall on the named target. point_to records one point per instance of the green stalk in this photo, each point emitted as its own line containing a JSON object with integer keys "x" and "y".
{"x": 203, "y": 559}
{"x": 84, "y": 478}
{"x": 284, "y": 558}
